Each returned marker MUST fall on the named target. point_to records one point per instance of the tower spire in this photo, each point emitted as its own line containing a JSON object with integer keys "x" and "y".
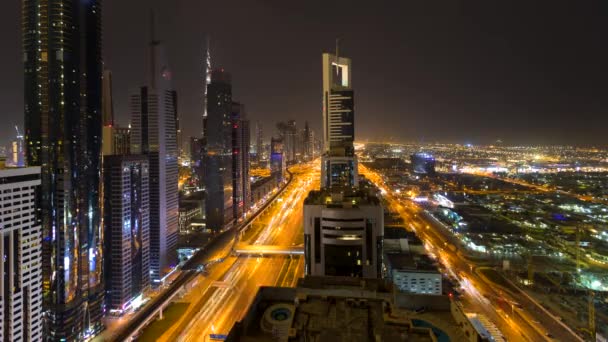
{"x": 153, "y": 43}
{"x": 337, "y": 48}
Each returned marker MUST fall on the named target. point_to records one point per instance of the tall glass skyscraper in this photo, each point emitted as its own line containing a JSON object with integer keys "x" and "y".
{"x": 63, "y": 80}
{"x": 217, "y": 142}
{"x": 339, "y": 162}
{"x": 154, "y": 134}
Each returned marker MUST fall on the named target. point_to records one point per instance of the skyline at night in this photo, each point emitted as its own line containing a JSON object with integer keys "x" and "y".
{"x": 266, "y": 170}
{"x": 461, "y": 72}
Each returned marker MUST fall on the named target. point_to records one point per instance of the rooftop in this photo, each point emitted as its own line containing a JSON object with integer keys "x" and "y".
{"x": 343, "y": 198}
{"x": 343, "y": 309}
{"x": 410, "y": 262}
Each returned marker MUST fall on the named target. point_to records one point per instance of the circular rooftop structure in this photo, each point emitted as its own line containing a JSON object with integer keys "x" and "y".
{"x": 277, "y": 320}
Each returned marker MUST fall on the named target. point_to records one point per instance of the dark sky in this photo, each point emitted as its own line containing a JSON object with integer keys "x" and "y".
{"x": 455, "y": 71}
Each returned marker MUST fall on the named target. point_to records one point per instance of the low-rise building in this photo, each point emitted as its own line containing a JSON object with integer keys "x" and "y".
{"x": 343, "y": 233}
{"x": 262, "y": 187}
{"x": 413, "y": 273}
{"x": 188, "y": 212}
{"x": 347, "y": 309}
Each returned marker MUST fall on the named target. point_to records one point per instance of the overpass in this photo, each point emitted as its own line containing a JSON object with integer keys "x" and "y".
{"x": 150, "y": 311}
{"x": 189, "y": 272}
{"x": 268, "y": 250}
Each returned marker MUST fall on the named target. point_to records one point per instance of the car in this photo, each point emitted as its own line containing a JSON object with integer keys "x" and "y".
{"x": 420, "y": 310}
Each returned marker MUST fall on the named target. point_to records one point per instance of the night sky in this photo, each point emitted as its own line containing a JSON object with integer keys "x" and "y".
{"x": 452, "y": 71}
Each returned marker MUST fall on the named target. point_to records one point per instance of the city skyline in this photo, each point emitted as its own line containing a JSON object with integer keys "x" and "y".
{"x": 197, "y": 190}
{"x": 454, "y": 73}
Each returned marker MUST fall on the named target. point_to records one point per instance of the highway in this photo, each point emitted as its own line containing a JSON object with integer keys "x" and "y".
{"x": 127, "y": 326}
{"x": 222, "y": 296}
{"x": 516, "y": 316}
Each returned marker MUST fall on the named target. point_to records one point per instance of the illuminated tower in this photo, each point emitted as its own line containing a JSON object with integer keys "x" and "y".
{"x": 63, "y": 120}
{"x": 154, "y": 133}
{"x": 343, "y": 222}
{"x": 339, "y": 166}
{"x": 17, "y": 150}
{"x": 207, "y": 77}
{"x": 217, "y": 158}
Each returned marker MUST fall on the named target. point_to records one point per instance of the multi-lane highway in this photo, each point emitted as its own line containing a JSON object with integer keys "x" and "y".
{"x": 516, "y": 316}
{"x": 222, "y": 296}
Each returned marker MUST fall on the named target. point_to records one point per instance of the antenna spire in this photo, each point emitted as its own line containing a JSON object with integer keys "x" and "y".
{"x": 337, "y": 48}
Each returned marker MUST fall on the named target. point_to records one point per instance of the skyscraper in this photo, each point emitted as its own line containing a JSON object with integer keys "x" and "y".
{"x": 338, "y": 105}
{"x": 259, "y": 142}
{"x": 339, "y": 165}
{"x": 289, "y": 133}
{"x": 206, "y": 77}
{"x": 20, "y": 256}
{"x": 127, "y": 229}
{"x": 196, "y": 158}
{"x": 344, "y": 221}
{"x": 277, "y": 159}
{"x": 240, "y": 160}
{"x": 116, "y": 140}
{"x": 17, "y": 150}
{"x": 63, "y": 120}
{"x": 153, "y": 133}
{"x": 107, "y": 106}
{"x": 217, "y": 142}
{"x": 307, "y": 143}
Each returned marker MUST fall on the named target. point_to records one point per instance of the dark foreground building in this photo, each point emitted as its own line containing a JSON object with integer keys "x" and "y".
{"x": 127, "y": 230}
{"x": 63, "y": 77}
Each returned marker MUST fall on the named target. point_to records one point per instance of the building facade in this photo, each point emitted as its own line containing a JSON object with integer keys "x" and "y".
{"x": 344, "y": 221}
{"x": 21, "y": 255}
{"x": 154, "y": 134}
{"x": 277, "y": 159}
{"x": 413, "y": 273}
{"x": 63, "y": 121}
{"x": 339, "y": 166}
{"x": 217, "y": 144}
{"x": 116, "y": 140}
{"x": 107, "y": 105}
{"x": 240, "y": 160}
{"x": 127, "y": 229}
{"x": 343, "y": 234}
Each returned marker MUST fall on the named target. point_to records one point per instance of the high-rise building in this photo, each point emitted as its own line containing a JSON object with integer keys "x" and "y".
{"x": 277, "y": 159}
{"x": 344, "y": 221}
{"x": 307, "y": 143}
{"x": 241, "y": 183}
{"x": 20, "y": 255}
{"x": 338, "y": 105}
{"x": 126, "y": 230}
{"x": 153, "y": 133}
{"x": 206, "y": 78}
{"x": 196, "y": 158}
{"x": 116, "y": 140}
{"x": 259, "y": 142}
{"x": 17, "y": 150}
{"x": 339, "y": 166}
{"x": 63, "y": 120}
{"x": 218, "y": 151}
{"x": 107, "y": 105}
{"x": 289, "y": 134}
